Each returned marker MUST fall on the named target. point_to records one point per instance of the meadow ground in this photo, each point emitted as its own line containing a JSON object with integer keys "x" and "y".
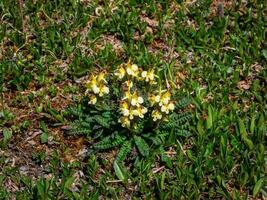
{"x": 214, "y": 51}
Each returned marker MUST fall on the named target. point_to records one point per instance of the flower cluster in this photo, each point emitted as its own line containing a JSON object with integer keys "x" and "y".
{"x": 141, "y": 94}
{"x": 131, "y": 71}
{"x": 149, "y": 76}
{"x": 131, "y": 106}
{"x": 162, "y": 104}
{"x": 96, "y": 87}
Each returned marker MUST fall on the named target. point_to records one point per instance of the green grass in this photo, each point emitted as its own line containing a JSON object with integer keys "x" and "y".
{"x": 220, "y": 63}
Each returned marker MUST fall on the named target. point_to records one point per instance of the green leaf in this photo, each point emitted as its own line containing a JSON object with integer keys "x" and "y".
{"x": 102, "y": 121}
{"x": 200, "y": 128}
{"x": 264, "y": 53}
{"x": 165, "y": 158}
{"x": 162, "y": 180}
{"x": 244, "y": 136}
{"x": 44, "y": 137}
{"x": 43, "y": 127}
{"x": 110, "y": 142}
{"x": 257, "y": 187}
{"x": 7, "y": 135}
{"x": 124, "y": 151}
{"x": 69, "y": 182}
{"x": 242, "y": 128}
{"x": 210, "y": 118}
{"x": 252, "y": 125}
{"x": 41, "y": 189}
{"x": 118, "y": 171}
{"x": 141, "y": 145}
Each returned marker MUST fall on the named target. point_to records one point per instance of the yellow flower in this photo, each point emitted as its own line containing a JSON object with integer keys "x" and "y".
{"x": 132, "y": 113}
{"x": 148, "y": 76}
{"x": 136, "y": 100}
{"x": 90, "y": 82}
{"x": 125, "y": 122}
{"x": 127, "y": 95}
{"x": 135, "y": 126}
{"x": 129, "y": 84}
{"x": 93, "y": 99}
{"x": 95, "y": 88}
{"x": 153, "y": 99}
{"x": 92, "y": 85}
{"x": 140, "y": 100}
{"x": 167, "y": 108}
{"x": 171, "y": 106}
{"x": 164, "y": 108}
{"x": 132, "y": 70}
{"x": 144, "y": 74}
{"x": 124, "y": 108}
{"x": 140, "y": 111}
{"x": 101, "y": 77}
{"x": 103, "y": 90}
{"x": 165, "y": 98}
{"x": 144, "y": 110}
{"x": 156, "y": 115}
{"x": 120, "y": 72}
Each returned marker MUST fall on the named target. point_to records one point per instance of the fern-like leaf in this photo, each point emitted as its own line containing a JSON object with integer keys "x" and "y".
{"x": 124, "y": 151}
{"x": 177, "y": 120}
{"x": 110, "y": 142}
{"x": 104, "y": 122}
{"x": 79, "y": 131}
{"x": 159, "y": 138}
{"x": 142, "y": 146}
{"x": 80, "y": 128}
{"x": 182, "y": 132}
{"x": 182, "y": 103}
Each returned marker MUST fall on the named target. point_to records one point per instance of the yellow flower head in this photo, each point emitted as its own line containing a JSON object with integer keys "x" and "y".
{"x": 132, "y": 70}
{"x": 165, "y": 98}
{"x": 90, "y": 82}
{"x": 91, "y": 85}
{"x": 167, "y": 107}
{"x": 92, "y": 99}
{"x": 125, "y": 122}
{"x": 127, "y": 95}
{"x": 129, "y": 84}
{"x": 96, "y": 84}
{"x": 139, "y": 111}
{"x": 171, "y": 106}
{"x": 124, "y": 108}
{"x": 132, "y": 113}
{"x": 120, "y": 72}
{"x": 95, "y": 88}
{"x": 156, "y": 115}
{"x": 136, "y": 100}
{"x": 101, "y": 77}
{"x": 148, "y": 76}
{"x": 153, "y": 99}
{"x": 103, "y": 90}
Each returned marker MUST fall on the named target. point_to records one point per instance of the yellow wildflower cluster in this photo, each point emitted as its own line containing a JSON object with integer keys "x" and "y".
{"x": 96, "y": 87}
{"x": 132, "y": 105}
{"x": 132, "y": 71}
{"x": 129, "y": 69}
{"x": 131, "y": 108}
{"x": 149, "y": 76}
{"x": 162, "y": 104}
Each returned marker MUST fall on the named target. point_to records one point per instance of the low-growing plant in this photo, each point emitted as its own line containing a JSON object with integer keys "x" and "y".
{"x": 130, "y": 108}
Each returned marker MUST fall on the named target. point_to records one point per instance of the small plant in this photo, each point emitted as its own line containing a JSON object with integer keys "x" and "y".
{"x": 129, "y": 107}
